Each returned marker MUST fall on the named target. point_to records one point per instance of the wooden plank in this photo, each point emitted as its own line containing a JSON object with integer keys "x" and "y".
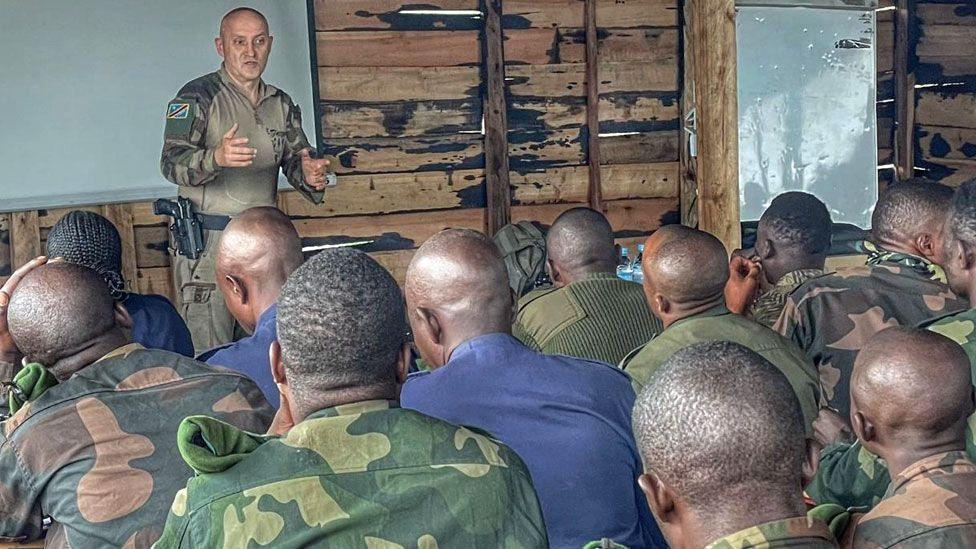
{"x": 391, "y": 192}
{"x": 688, "y": 183}
{"x": 386, "y": 155}
{"x": 945, "y": 41}
{"x": 389, "y": 84}
{"x": 620, "y": 45}
{"x": 5, "y": 255}
{"x": 946, "y": 14}
{"x": 47, "y": 218}
{"x": 885, "y": 48}
{"x": 886, "y": 132}
{"x": 904, "y": 93}
{"x": 594, "y": 191}
{"x": 537, "y": 150}
{"x": 569, "y": 80}
{"x": 940, "y": 108}
{"x": 639, "y": 148}
{"x": 629, "y": 218}
{"x": 386, "y": 14}
{"x": 570, "y": 184}
{"x": 121, "y": 216}
{"x": 531, "y": 46}
{"x": 156, "y": 280}
{"x": 142, "y": 214}
{"x": 152, "y": 247}
{"x": 713, "y": 34}
{"x": 389, "y": 232}
{"x": 397, "y": 48}
{"x": 497, "y": 189}
{"x": 396, "y": 262}
{"x": 938, "y": 142}
{"x": 569, "y": 13}
{"x": 619, "y": 113}
{"x": 400, "y": 119}
{"x": 25, "y": 238}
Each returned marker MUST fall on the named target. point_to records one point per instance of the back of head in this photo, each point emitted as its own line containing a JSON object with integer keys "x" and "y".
{"x": 721, "y": 426}
{"x": 89, "y": 239}
{"x": 915, "y": 384}
{"x": 581, "y": 240}
{"x": 56, "y": 309}
{"x": 341, "y": 325}
{"x": 908, "y": 209}
{"x": 961, "y": 221}
{"x": 799, "y": 222}
{"x": 260, "y": 243}
{"x": 689, "y": 266}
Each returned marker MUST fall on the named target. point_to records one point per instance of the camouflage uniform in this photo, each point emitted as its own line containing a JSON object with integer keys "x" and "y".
{"x": 599, "y": 317}
{"x": 961, "y": 328}
{"x": 96, "y": 452}
{"x": 718, "y": 324}
{"x": 932, "y": 503}
{"x": 850, "y": 476}
{"x": 196, "y": 121}
{"x": 793, "y": 532}
{"x": 369, "y": 474}
{"x": 767, "y": 308}
{"x": 833, "y": 316}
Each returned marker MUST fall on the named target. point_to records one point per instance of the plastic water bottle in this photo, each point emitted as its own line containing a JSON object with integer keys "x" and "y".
{"x": 625, "y": 269}
{"x": 637, "y": 274}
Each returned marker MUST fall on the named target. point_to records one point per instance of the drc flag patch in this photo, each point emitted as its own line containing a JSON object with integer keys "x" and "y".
{"x": 178, "y": 111}
{"x": 179, "y": 118}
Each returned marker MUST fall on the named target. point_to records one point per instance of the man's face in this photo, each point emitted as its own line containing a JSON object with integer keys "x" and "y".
{"x": 245, "y": 44}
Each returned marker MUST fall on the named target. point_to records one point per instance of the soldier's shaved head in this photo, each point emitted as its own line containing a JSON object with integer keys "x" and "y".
{"x": 236, "y": 13}
{"x": 686, "y": 265}
{"x": 58, "y": 308}
{"x": 459, "y": 276}
{"x": 914, "y": 386}
{"x": 580, "y": 242}
{"x": 719, "y": 425}
{"x": 960, "y": 242}
{"x": 262, "y": 242}
{"x": 909, "y": 211}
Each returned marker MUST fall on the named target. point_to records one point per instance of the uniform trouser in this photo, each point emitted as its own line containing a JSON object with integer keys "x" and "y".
{"x": 201, "y": 301}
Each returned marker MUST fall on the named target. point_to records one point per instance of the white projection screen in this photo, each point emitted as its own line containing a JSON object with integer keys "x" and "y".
{"x": 85, "y": 86}
{"x": 807, "y": 105}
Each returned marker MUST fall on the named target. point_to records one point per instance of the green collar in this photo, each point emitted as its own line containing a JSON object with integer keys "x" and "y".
{"x": 353, "y": 409}
{"x": 598, "y": 276}
{"x": 878, "y": 255}
{"x": 797, "y": 277}
{"x": 718, "y": 310}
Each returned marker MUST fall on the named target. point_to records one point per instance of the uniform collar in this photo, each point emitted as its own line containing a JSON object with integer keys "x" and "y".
{"x": 797, "y": 277}
{"x": 944, "y": 463}
{"x": 771, "y": 533}
{"x": 470, "y": 346}
{"x": 599, "y": 276}
{"x": 354, "y": 409}
{"x": 269, "y": 315}
{"x": 122, "y": 351}
{"x": 718, "y": 310}
{"x": 264, "y": 90}
{"x": 878, "y": 255}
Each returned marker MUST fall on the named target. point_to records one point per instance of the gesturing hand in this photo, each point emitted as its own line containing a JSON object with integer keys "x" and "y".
{"x": 8, "y": 349}
{"x": 314, "y": 170}
{"x": 232, "y": 153}
{"x": 743, "y": 285}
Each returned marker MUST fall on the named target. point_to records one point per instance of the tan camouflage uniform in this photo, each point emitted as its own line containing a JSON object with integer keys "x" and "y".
{"x": 793, "y": 532}
{"x": 369, "y": 474}
{"x": 767, "y": 308}
{"x": 930, "y": 504}
{"x": 97, "y": 452}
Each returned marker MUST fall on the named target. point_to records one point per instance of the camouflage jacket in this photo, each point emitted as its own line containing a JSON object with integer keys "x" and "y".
{"x": 831, "y": 317}
{"x": 850, "y": 476}
{"x": 369, "y": 474}
{"x": 600, "y": 317}
{"x": 961, "y": 328}
{"x": 196, "y": 121}
{"x": 96, "y": 454}
{"x": 794, "y": 532}
{"x": 932, "y": 503}
{"x": 767, "y": 308}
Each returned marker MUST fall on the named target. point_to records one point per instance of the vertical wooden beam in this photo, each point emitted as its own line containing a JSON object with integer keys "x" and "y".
{"x": 497, "y": 188}
{"x": 686, "y": 107}
{"x": 595, "y": 191}
{"x": 25, "y": 237}
{"x": 904, "y": 92}
{"x": 716, "y": 107}
{"x": 6, "y": 258}
{"x": 121, "y": 216}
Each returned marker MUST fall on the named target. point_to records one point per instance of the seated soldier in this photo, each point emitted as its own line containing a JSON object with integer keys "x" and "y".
{"x": 716, "y": 476}
{"x": 685, "y": 271}
{"x": 355, "y": 470}
{"x": 95, "y": 451}
{"x": 257, "y": 251}
{"x": 589, "y": 313}
{"x": 792, "y": 242}
{"x": 832, "y": 316}
{"x": 567, "y": 417}
{"x": 89, "y": 239}
{"x": 911, "y": 398}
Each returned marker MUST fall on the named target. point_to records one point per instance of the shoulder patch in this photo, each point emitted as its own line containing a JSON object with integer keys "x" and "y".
{"x": 180, "y": 114}
{"x": 534, "y": 295}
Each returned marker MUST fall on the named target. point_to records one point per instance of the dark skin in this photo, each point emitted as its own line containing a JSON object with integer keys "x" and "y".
{"x": 926, "y": 242}
{"x": 667, "y": 307}
{"x": 960, "y": 267}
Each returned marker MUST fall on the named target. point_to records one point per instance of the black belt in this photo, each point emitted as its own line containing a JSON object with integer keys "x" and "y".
{"x": 212, "y": 222}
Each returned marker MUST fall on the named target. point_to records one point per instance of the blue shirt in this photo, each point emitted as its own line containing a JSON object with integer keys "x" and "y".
{"x": 157, "y": 325}
{"x": 249, "y": 356}
{"x": 569, "y": 420}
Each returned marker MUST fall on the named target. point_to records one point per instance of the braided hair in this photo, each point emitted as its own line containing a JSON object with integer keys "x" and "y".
{"x": 89, "y": 239}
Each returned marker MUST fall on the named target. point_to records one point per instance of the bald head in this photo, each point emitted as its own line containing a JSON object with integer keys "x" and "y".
{"x": 56, "y": 309}
{"x": 580, "y": 242}
{"x": 261, "y": 244}
{"x": 914, "y": 385}
{"x": 242, "y": 14}
{"x": 685, "y": 265}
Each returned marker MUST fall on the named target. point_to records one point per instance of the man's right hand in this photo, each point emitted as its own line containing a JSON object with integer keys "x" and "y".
{"x": 8, "y": 349}
{"x": 743, "y": 285}
{"x": 232, "y": 153}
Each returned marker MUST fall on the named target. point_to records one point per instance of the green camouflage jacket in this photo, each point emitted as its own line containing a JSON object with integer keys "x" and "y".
{"x": 930, "y": 504}
{"x": 96, "y": 453}
{"x": 850, "y": 476}
{"x": 369, "y": 475}
{"x": 794, "y": 532}
{"x": 961, "y": 328}
{"x": 831, "y": 317}
{"x": 767, "y": 308}
{"x": 718, "y": 324}
{"x": 600, "y": 317}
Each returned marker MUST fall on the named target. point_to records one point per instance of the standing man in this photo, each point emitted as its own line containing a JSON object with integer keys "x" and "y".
{"x": 227, "y": 135}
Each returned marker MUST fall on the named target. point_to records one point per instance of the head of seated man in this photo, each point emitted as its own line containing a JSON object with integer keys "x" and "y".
{"x": 89, "y": 239}
{"x": 911, "y": 399}
{"x": 579, "y": 243}
{"x": 257, "y": 252}
{"x": 909, "y": 218}
{"x": 713, "y": 471}
{"x": 793, "y": 235}
{"x": 959, "y": 242}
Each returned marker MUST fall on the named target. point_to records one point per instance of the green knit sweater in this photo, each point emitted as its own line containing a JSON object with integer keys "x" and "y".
{"x": 600, "y": 318}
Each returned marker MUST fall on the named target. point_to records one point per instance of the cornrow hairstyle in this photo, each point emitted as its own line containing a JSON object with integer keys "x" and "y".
{"x": 88, "y": 239}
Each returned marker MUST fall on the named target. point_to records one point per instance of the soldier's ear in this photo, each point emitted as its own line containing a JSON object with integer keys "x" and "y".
{"x": 430, "y": 323}
{"x": 863, "y": 429}
{"x": 812, "y": 461}
{"x": 403, "y": 363}
{"x": 926, "y": 244}
{"x": 659, "y": 496}
{"x": 219, "y": 44}
{"x": 766, "y": 250}
{"x": 122, "y": 317}
{"x": 277, "y": 366}
{"x": 238, "y": 288}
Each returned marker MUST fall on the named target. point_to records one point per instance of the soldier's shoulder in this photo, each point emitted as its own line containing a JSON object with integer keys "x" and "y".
{"x": 535, "y": 296}
{"x": 959, "y": 326}
{"x": 201, "y": 89}
{"x": 544, "y": 313}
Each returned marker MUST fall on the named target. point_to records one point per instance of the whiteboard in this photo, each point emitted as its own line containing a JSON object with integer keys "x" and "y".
{"x": 807, "y": 108}
{"x": 85, "y": 85}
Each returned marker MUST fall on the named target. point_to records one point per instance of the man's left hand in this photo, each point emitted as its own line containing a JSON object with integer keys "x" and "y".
{"x": 743, "y": 285}
{"x": 314, "y": 170}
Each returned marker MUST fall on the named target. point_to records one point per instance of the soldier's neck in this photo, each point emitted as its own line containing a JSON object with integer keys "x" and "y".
{"x": 905, "y": 456}
{"x": 87, "y": 354}
{"x": 248, "y": 87}
{"x": 681, "y": 311}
